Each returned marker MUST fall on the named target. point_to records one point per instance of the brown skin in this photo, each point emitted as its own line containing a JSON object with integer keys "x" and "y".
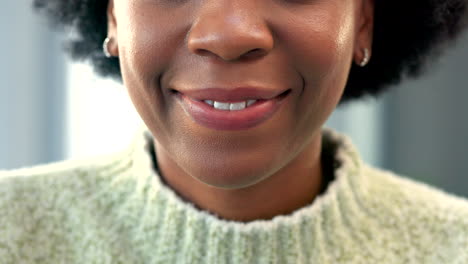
{"x": 307, "y": 46}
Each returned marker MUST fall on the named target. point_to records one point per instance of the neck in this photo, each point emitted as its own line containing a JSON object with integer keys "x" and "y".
{"x": 292, "y": 187}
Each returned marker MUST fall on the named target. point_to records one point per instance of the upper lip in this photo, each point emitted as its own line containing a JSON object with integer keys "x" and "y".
{"x": 232, "y": 94}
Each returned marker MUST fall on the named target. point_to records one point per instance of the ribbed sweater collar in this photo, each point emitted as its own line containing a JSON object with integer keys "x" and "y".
{"x": 184, "y": 234}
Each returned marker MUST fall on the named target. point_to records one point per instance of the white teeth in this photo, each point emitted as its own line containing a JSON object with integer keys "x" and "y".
{"x": 230, "y": 106}
{"x": 237, "y": 106}
{"x": 210, "y": 102}
{"x": 221, "y": 106}
{"x": 251, "y": 102}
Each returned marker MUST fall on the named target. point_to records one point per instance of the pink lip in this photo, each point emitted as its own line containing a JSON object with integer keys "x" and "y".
{"x": 268, "y": 103}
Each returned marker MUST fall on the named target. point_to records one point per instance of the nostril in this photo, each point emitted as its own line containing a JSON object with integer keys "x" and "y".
{"x": 255, "y": 53}
{"x": 202, "y": 52}
{"x": 249, "y": 55}
{"x": 284, "y": 94}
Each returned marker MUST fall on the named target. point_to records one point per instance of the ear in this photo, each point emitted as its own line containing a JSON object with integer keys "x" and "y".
{"x": 365, "y": 30}
{"x": 112, "y": 30}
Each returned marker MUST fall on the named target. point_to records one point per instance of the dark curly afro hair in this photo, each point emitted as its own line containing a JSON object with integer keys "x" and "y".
{"x": 406, "y": 35}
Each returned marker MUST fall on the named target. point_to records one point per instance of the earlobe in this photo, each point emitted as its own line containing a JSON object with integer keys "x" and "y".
{"x": 110, "y": 45}
{"x": 365, "y": 33}
{"x": 110, "y": 14}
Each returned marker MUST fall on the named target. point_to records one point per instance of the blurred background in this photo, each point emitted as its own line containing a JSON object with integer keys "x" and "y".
{"x": 53, "y": 109}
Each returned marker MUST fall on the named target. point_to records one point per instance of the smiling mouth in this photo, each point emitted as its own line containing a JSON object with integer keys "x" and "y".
{"x": 233, "y": 110}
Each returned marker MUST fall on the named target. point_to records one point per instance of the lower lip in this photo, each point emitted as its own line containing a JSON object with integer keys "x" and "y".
{"x": 249, "y": 117}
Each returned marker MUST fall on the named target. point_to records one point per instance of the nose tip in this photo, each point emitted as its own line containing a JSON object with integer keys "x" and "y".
{"x": 230, "y": 39}
{"x": 230, "y": 50}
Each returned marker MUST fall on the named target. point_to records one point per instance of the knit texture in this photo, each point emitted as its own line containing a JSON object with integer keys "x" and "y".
{"x": 115, "y": 209}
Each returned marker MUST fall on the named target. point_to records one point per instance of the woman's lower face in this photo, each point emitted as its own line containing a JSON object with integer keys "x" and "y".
{"x": 192, "y": 68}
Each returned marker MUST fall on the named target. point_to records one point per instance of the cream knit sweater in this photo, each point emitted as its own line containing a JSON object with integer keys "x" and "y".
{"x": 115, "y": 209}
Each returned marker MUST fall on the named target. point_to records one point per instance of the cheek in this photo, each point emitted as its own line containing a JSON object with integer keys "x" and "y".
{"x": 143, "y": 50}
{"x": 321, "y": 47}
{"x": 147, "y": 43}
{"x": 144, "y": 53}
{"x": 322, "y": 52}
{"x": 324, "y": 55}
